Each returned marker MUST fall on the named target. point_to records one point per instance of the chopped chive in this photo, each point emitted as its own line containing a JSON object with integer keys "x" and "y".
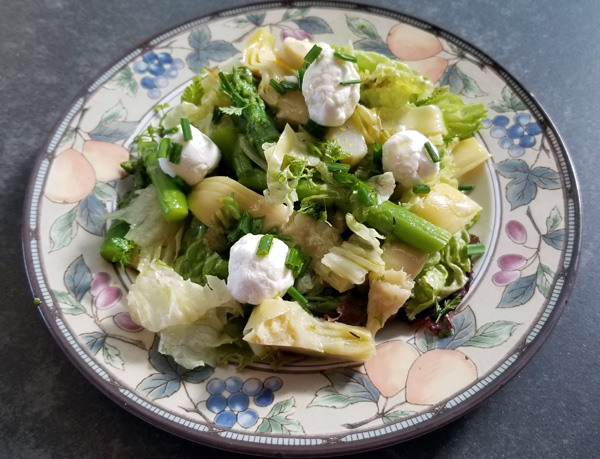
{"x": 377, "y": 153}
{"x": 466, "y": 187}
{"x": 433, "y": 154}
{"x": 297, "y": 296}
{"x": 182, "y": 184}
{"x": 349, "y": 82}
{"x": 163, "y": 149}
{"x": 186, "y": 129}
{"x": 245, "y": 224}
{"x": 294, "y": 261}
{"x": 300, "y": 77}
{"x": 264, "y": 245}
{"x": 173, "y": 130}
{"x": 314, "y": 150}
{"x": 474, "y": 249}
{"x": 175, "y": 153}
{"x": 235, "y": 235}
{"x": 286, "y": 239}
{"x": 257, "y": 225}
{"x": 289, "y": 85}
{"x": 305, "y": 265}
{"x": 312, "y": 55}
{"x": 345, "y": 57}
{"x": 277, "y": 86}
{"x": 364, "y": 196}
{"x": 337, "y": 167}
{"x": 344, "y": 177}
{"x": 421, "y": 189}
{"x": 315, "y": 129}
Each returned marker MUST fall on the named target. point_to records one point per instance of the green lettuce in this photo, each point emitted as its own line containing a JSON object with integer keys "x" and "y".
{"x": 444, "y": 273}
{"x": 462, "y": 120}
{"x": 389, "y": 83}
{"x": 196, "y": 260}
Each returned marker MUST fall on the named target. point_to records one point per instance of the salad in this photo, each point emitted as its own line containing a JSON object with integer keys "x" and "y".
{"x": 296, "y": 200}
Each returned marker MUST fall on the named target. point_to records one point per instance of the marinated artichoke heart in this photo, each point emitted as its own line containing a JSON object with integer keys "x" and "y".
{"x": 286, "y": 326}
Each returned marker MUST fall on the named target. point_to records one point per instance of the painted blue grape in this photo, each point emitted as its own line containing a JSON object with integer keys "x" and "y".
{"x": 252, "y": 386}
{"x": 161, "y": 81}
{"x": 527, "y": 141}
{"x": 516, "y": 131}
{"x": 486, "y": 123}
{"x": 140, "y": 67}
{"x": 225, "y": 419}
{"x": 164, "y": 58}
{"x": 216, "y": 403}
{"x": 247, "y": 418}
{"x": 215, "y": 386}
{"x": 170, "y": 73}
{"x": 156, "y": 69}
{"x": 149, "y": 57}
{"x": 500, "y": 120}
{"x": 533, "y": 129}
{"x": 154, "y": 93}
{"x": 498, "y": 132}
{"x": 147, "y": 82}
{"x": 516, "y": 150}
{"x": 238, "y": 401}
{"x": 264, "y": 398}
{"x": 522, "y": 119}
{"x": 177, "y": 64}
{"x": 274, "y": 383}
{"x": 505, "y": 142}
{"x": 234, "y": 384}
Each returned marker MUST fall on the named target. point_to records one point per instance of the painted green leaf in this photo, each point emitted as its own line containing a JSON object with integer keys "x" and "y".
{"x": 278, "y": 420}
{"x": 394, "y": 416}
{"x": 125, "y": 81}
{"x": 362, "y": 28}
{"x": 237, "y": 23}
{"x": 94, "y": 341}
{"x": 78, "y": 278}
{"x": 63, "y": 230}
{"x": 68, "y": 304}
{"x": 460, "y": 82}
{"x": 425, "y": 339}
{"x": 104, "y": 192}
{"x": 492, "y": 334}
{"x": 553, "y": 220}
{"x": 518, "y": 292}
{"x": 112, "y": 356}
{"x": 545, "y": 276}
{"x": 555, "y": 239}
{"x": 294, "y": 14}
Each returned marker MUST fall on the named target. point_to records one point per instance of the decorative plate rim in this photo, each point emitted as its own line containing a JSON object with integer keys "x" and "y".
{"x": 541, "y": 328}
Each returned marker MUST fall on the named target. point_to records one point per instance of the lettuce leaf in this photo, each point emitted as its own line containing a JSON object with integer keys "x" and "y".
{"x": 444, "y": 273}
{"x": 388, "y": 83}
{"x": 156, "y": 238}
{"x": 161, "y": 298}
{"x": 196, "y": 260}
{"x": 462, "y": 120}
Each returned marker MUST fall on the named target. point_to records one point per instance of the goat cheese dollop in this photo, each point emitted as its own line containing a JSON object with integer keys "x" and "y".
{"x": 329, "y": 102}
{"x": 199, "y": 156}
{"x": 405, "y": 156}
{"x": 254, "y": 278}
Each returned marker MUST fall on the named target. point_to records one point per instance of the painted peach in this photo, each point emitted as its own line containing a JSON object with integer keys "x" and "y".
{"x": 388, "y": 368}
{"x": 106, "y": 159}
{"x": 410, "y": 43}
{"x": 432, "y": 67}
{"x": 438, "y": 374}
{"x": 71, "y": 178}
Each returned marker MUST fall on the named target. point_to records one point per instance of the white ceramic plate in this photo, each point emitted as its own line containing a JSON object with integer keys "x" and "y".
{"x": 417, "y": 382}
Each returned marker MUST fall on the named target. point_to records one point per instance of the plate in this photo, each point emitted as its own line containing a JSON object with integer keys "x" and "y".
{"x": 417, "y": 382}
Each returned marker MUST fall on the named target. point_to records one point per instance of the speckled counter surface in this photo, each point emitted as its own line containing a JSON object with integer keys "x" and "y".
{"x": 51, "y": 48}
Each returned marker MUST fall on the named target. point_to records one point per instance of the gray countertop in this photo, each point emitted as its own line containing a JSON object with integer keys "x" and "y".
{"x": 50, "y": 49}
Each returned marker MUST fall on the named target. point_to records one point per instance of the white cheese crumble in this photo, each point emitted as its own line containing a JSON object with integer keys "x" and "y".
{"x": 199, "y": 156}
{"x": 254, "y": 278}
{"x": 405, "y": 156}
{"x": 329, "y": 102}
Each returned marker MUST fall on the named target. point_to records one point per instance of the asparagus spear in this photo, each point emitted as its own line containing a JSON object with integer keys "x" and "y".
{"x": 239, "y": 86}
